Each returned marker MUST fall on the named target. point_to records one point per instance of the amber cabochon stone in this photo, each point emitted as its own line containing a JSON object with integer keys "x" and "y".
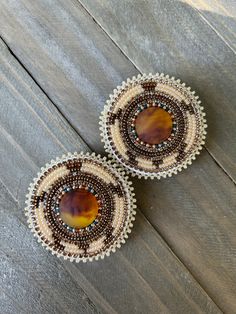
{"x": 153, "y": 125}
{"x": 78, "y": 208}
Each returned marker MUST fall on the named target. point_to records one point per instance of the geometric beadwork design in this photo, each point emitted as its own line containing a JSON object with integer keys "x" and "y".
{"x": 86, "y": 191}
{"x": 153, "y": 125}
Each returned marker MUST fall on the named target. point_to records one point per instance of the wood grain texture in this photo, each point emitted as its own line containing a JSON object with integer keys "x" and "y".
{"x": 195, "y": 213}
{"x": 143, "y": 277}
{"x": 172, "y": 37}
{"x": 221, "y": 16}
{"x": 30, "y": 276}
{"x": 9, "y": 305}
{"x": 73, "y": 59}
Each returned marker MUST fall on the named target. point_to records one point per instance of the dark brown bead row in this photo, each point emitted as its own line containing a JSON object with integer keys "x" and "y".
{"x": 50, "y": 199}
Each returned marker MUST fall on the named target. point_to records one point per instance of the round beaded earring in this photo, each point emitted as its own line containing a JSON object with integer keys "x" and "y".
{"x": 153, "y": 125}
{"x": 81, "y": 207}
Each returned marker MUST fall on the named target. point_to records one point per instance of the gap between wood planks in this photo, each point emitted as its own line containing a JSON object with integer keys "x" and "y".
{"x": 83, "y": 282}
{"x": 212, "y": 27}
{"x": 139, "y": 70}
{"x": 154, "y": 228}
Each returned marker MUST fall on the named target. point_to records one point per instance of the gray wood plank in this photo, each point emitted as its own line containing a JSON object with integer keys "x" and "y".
{"x": 221, "y": 16}
{"x": 172, "y": 37}
{"x": 30, "y": 275}
{"x": 144, "y": 276}
{"x": 78, "y": 66}
{"x": 9, "y": 305}
{"x": 195, "y": 213}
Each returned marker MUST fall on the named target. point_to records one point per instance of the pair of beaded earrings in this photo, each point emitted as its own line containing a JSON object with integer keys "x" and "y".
{"x": 82, "y": 206}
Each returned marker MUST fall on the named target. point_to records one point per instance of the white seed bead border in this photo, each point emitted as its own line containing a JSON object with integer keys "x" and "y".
{"x": 127, "y": 184}
{"x": 171, "y": 81}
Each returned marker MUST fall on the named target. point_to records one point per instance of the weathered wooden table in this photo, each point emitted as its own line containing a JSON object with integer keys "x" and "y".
{"x": 59, "y": 62}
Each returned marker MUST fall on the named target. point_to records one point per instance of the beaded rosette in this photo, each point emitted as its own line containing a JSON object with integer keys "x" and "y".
{"x": 81, "y": 207}
{"x": 153, "y": 125}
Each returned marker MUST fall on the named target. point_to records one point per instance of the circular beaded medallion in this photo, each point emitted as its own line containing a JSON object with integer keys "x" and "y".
{"x": 81, "y": 207}
{"x": 153, "y": 125}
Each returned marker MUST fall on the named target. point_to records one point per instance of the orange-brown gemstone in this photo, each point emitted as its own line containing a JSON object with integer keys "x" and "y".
{"x": 78, "y": 208}
{"x": 153, "y": 125}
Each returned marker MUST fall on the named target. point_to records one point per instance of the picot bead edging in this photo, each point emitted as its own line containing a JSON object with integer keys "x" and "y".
{"x": 157, "y": 161}
{"x": 117, "y": 214}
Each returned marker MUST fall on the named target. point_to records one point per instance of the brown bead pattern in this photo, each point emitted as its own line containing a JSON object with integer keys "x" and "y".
{"x": 178, "y": 146}
{"x": 59, "y": 179}
{"x": 133, "y": 109}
